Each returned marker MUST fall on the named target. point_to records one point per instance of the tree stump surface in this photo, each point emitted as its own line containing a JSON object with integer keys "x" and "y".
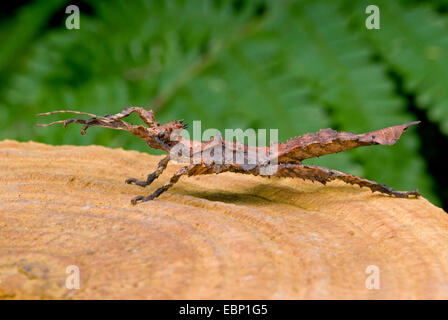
{"x": 226, "y": 236}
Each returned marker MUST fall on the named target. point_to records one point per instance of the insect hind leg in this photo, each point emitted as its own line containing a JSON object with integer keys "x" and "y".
{"x": 324, "y": 175}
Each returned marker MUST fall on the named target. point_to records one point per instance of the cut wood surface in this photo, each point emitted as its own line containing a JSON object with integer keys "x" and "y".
{"x": 226, "y": 236}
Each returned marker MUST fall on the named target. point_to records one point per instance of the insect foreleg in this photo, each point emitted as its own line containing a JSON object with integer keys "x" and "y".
{"x": 108, "y": 121}
{"x": 145, "y": 115}
{"x": 95, "y": 121}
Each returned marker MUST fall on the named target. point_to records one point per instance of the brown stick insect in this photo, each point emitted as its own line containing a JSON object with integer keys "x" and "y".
{"x": 219, "y": 155}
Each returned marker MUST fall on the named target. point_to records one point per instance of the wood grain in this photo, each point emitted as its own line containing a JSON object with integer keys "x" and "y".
{"x": 226, "y": 236}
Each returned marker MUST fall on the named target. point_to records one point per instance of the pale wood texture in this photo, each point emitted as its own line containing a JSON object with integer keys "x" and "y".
{"x": 219, "y": 236}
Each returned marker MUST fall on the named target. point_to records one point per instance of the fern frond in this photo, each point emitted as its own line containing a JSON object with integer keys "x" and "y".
{"x": 414, "y": 41}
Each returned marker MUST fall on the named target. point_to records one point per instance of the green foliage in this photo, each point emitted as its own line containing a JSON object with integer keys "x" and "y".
{"x": 295, "y": 66}
{"x": 415, "y": 44}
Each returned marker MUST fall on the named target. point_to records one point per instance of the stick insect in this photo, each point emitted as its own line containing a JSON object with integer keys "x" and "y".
{"x": 289, "y": 155}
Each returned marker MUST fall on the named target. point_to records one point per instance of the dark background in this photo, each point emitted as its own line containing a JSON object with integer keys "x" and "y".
{"x": 294, "y": 66}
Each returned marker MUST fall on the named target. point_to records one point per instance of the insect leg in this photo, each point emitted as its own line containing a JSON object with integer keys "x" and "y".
{"x": 152, "y": 176}
{"x": 165, "y": 187}
{"x": 190, "y": 170}
{"x": 324, "y": 175}
{"x": 94, "y": 121}
{"x": 108, "y": 121}
{"x": 145, "y": 115}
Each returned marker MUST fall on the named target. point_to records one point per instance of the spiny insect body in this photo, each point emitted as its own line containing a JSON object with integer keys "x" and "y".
{"x": 288, "y": 155}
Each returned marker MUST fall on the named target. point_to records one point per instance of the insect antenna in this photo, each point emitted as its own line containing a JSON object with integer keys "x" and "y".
{"x": 184, "y": 124}
{"x": 67, "y": 121}
{"x": 70, "y": 111}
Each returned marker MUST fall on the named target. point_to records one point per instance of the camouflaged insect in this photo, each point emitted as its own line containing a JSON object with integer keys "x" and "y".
{"x": 288, "y": 156}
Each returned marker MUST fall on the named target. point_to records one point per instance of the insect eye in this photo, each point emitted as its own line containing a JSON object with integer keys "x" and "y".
{"x": 161, "y": 134}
